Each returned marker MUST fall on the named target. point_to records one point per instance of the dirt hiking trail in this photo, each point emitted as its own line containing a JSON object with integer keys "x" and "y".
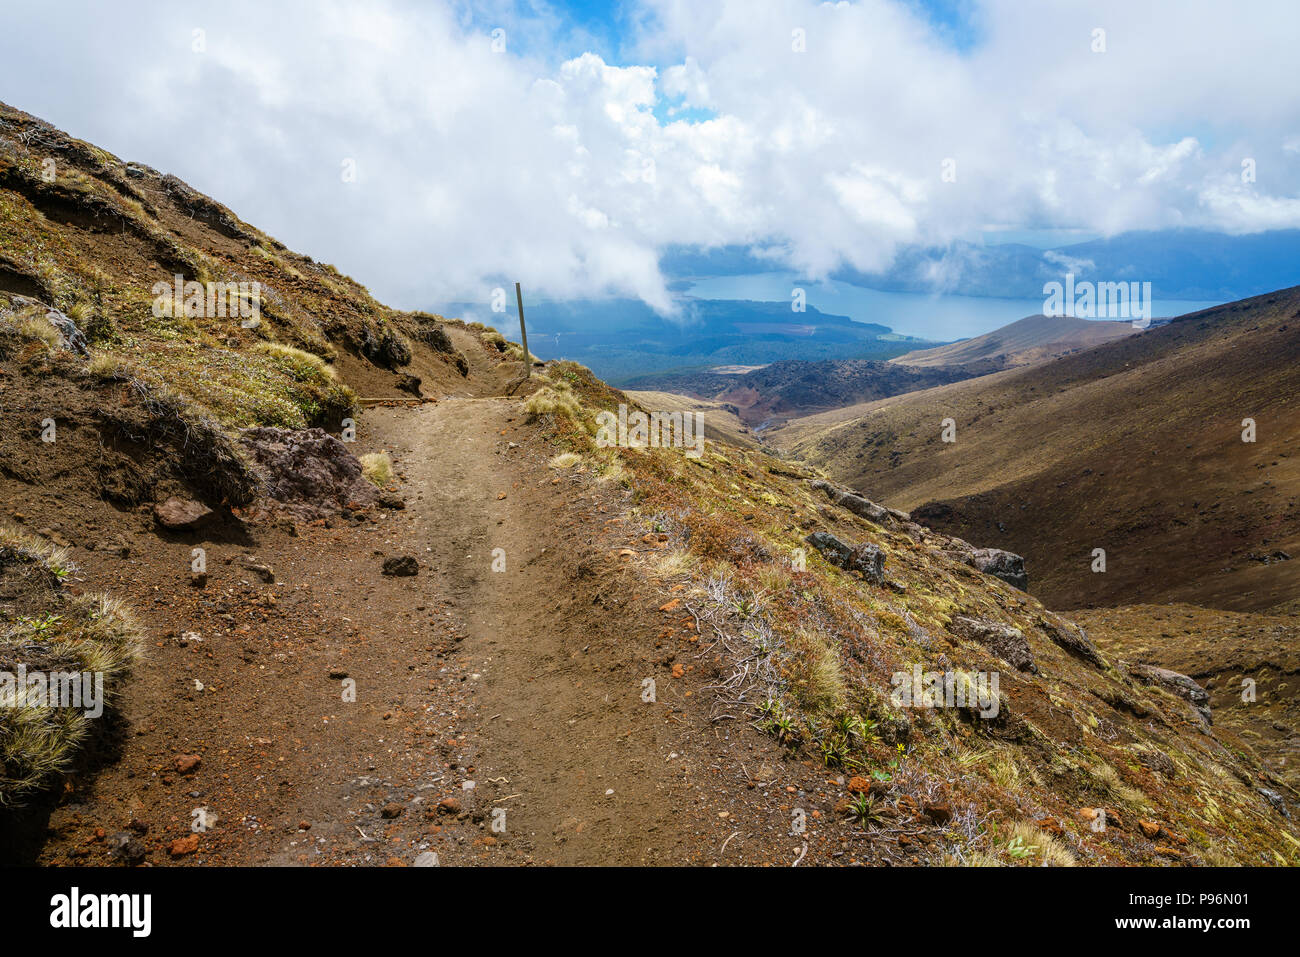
{"x": 562, "y": 722}
{"x": 494, "y": 716}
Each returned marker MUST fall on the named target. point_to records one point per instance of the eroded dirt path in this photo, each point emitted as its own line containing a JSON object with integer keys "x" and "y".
{"x": 566, "y": 746}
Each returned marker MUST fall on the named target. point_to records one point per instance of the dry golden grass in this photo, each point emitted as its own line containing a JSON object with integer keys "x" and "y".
{"x": 674, "y": 563}
{"x": 971, "y": 859}
{"x": 813, "y": 670}
{"x": 1111, "y": 785}
{"x": 774, "y": 579}
{"x": 40, "y": 329}
{"x": 105, "y": 365}
{"x": 87, "y": 635}
{"x": 1045, "y": 849}
{"x": 303, "y": 366}
{"x": 377, "y": 467}
{"x": 555, "y": 400}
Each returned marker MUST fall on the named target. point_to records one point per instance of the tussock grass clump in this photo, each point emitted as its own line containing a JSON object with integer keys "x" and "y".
{"x": 1005, "y": 773}
{"x": 491, "y": 337}
{"x": 773, "y": 578}
{"x": 612, "y": 471}
{"x": 87, "y": 643}
{"x": 303, "y": 366}
{"x": 676, "y": 562}
{"x": 79, "y": 312}
{"x": 565, "y": 460}
{"x": 813, "y": 670}
{"x": 105, "y": 365}
{"x": 1030, "y": 843}
{"x": 969, "y": 858}
{"x": 40, "y": 329}
{"x": 1108, "y": 781}
{"x": 515, "y": 351}
{"x": 377, "y": 467}
{"x": 553, "y": 400}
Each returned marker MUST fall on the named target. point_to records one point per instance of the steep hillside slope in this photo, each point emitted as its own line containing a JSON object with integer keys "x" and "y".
{"x": 815, "y": 613}
{"x": 1135, "y": 447}
{"x": 1246, "y": 662}
{"x": 136, "y": 312}
{"x": 1022, "y": 342}
{"x": 132, "y": 401}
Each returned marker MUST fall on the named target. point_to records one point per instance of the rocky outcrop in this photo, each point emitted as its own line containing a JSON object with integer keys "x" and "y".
{"x": 435, "y": 336}
{"x": 1007, "y": 566}
{"x": 1006, "y": 642}
{"x": 1177, "y": 683}
{"x": 70, "y": 337}
{"x": 384, "y": 347}
{"x": 307, "y": 470}
{"x": 1073, "y": 639}
{"x": 853, "y": 502}
{"x": 409, "y": 383}
{"x": 865, "y": 558}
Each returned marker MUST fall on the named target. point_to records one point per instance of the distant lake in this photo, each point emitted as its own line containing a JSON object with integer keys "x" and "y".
{"x": 940, "y": 318}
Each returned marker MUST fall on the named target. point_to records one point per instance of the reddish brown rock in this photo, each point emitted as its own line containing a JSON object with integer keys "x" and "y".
{"x": 188, "y": 763}
{"x": 183, "y": 846}
{"x": 449, "y": 805}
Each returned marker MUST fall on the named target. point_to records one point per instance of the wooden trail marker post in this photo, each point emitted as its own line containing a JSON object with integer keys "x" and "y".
{"x": 523, "y": 332}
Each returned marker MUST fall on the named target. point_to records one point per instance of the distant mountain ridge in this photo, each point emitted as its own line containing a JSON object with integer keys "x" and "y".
{"x": 1023, "y": 342}
{"x": 781, "y": 390}
{"x": 620, "y": 339}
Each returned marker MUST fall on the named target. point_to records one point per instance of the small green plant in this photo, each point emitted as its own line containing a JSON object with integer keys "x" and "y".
{"x": 864, "y": 811}
{"x": 745, "y": 607}
{"x": 862, "y": 728}
{"x": 39, "y": 627}
{"x": 773, "y": 720}
{"x": 786, "y": 731}
{"x": 761, "y": 647}
{"x": 835, "y": 751}
{"x": 1018, "y": 849}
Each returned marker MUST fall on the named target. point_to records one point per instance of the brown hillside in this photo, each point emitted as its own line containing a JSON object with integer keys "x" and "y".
{"x": 1134, "y": 446}
{"x": 1022, "y": 342}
